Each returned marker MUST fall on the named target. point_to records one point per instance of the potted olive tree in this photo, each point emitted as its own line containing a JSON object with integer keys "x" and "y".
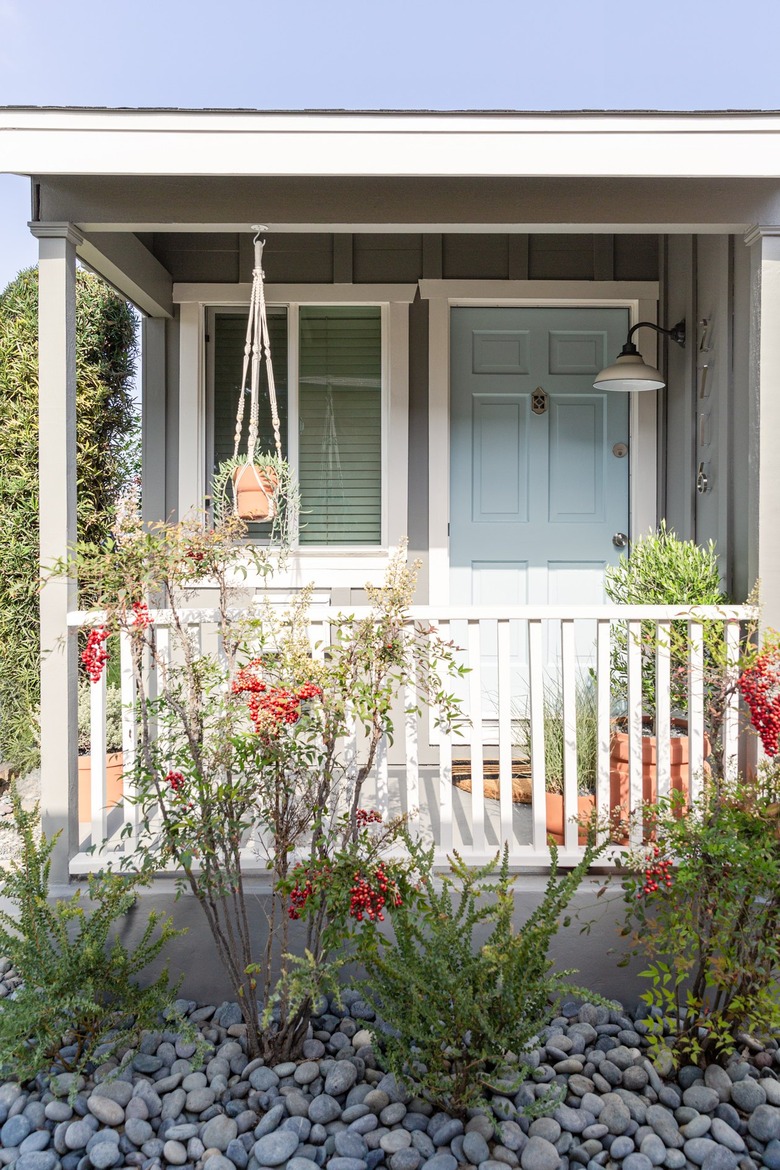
{"x": 660, "y": 569}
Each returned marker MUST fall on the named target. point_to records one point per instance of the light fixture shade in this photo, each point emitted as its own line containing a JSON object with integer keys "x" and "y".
{"x": 629, "y": 373}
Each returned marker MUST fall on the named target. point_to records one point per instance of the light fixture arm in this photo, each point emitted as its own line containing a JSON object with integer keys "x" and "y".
{"x": 676, "y": 333}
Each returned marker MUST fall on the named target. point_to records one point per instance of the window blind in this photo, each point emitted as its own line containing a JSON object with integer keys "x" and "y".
{"x": 340, "y": 441}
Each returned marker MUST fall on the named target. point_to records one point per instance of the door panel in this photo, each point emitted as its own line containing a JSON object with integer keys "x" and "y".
{"x": 535, "y": 489}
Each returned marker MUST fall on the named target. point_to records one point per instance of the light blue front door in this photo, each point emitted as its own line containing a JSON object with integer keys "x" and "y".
{"x": 538, "y": 458}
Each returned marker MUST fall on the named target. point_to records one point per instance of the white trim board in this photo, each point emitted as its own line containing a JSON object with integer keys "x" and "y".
{"x": 640, "y": 298}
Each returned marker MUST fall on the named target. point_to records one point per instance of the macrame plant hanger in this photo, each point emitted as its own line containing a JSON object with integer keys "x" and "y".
{"x": 255, "y": 483}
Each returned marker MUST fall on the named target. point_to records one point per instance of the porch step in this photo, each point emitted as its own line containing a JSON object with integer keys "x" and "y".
{"x": 521, "y": 778}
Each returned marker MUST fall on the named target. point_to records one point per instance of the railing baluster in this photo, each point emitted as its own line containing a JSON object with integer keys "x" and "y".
{"x": 663, "y": 707}
{"x": 538, "y": 772}
{"x": 730, "y": 733}
{"x": 445, "y": 772}
{"x": 98, "y": 795}
{"x": 696, "y": 706}
{"x": 129, "y": 737}
{"x": 412, "y": 757}
{"x": 569, "y": 696}
{"x": 505, "y": 733}
{"x": 603, "y": 713}
{"x": 635, "y": 745}
{"x": 477, "y": 751}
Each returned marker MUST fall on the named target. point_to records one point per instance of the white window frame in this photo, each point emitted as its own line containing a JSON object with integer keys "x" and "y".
{"x": 641, "y": 300}
{"x": 333, "y": 565}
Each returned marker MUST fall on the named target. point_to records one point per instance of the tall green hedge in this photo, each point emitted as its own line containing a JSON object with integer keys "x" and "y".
{"x": 108, "y": 456}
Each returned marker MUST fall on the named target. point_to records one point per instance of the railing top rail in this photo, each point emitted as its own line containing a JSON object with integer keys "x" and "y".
{"x": 449, "y": 613}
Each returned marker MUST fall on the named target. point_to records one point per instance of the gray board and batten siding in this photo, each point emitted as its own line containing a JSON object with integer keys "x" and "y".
{"x": 700, "y": 277}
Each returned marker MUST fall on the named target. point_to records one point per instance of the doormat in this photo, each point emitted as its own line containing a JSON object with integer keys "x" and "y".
{"x": 521, "y": 779}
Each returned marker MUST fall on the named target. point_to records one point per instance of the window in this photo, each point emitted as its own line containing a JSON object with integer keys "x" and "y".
{"x": 338, "y": 447}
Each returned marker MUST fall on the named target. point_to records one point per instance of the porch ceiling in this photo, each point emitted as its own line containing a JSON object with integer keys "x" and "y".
{"x": 111, "y": 203}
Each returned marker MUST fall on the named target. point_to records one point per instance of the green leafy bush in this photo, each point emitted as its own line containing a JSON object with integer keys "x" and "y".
{"x": 459, "y": 987}
{"x": 703, "y": 907}
{"x": 79, "y": 986}
{"x": 107, "y": 434}
{"x": 661, "y": 569}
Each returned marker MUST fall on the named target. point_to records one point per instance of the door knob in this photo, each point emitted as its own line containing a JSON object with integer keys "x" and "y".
{"x": 620, "y": 540}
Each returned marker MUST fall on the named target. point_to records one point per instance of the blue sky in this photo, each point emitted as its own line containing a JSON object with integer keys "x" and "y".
{"x": 400, "y": 54}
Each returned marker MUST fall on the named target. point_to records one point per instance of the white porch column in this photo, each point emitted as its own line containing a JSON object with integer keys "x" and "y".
{"x": 57, "y": 244}
{"x": 764, "y": 510}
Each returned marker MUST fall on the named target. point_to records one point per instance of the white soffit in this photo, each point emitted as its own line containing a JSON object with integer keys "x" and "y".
{"x": 113, "y": 142}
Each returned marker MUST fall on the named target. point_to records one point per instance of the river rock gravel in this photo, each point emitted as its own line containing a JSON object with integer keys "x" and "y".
{"x": 169, "y": 1105}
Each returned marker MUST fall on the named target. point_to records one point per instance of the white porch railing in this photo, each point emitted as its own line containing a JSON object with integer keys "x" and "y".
{"x": 513, "y": 655}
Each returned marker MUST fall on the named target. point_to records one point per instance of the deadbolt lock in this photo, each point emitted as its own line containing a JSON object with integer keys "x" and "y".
{"x": 620, "y": 450}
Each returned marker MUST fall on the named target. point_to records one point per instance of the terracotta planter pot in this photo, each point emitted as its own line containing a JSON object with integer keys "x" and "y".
{"x": 679, "y": 756}
{"x": 113, "y": 784}
{"x": 255, "y": 489}
{"x": 555, "y": 823}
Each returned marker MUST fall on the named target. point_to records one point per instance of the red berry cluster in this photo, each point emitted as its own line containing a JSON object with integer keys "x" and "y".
{"x": 94, "y": 655}
{"x": 176, "y": 781}
{"x": 141, "y": 618}
{"x": 759, "y": 685}
{"x": 367, "y": 816}
{"x": 306, "y": 879}
{"x": 369, "y": 895}
{"x": 657, "y": 871}
{"x": 271, "y": 707}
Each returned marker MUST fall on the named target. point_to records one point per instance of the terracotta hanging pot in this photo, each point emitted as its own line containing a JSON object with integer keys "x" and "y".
{"x": 255, "y": 488}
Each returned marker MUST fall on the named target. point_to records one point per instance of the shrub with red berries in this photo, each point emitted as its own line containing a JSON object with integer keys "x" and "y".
{"x": 658, "y": 873}
{"x": 271, "y": 707}
{"x": 759, "y": 685}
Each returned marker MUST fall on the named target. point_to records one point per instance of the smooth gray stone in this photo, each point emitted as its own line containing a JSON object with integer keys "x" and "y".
{"x": 408, "y": 1159}
{"x": 622, "y": 1146}
{"x": 539, "y": 1154}
{"x": 696, "y": 1149}
{"x": 263, "y": 1079}
{"x": 218, "y": 1133}
{"x": 747, "y": 1095}
{"x": 116, "y": 1090}
{"x": 299, "y": 1163}
{"x": 349, "y": 1144}
{"x": 395, "y": 1091}
{"x": 77, "y": 1135}
{"x": 174, "y": 1153}
{"x": 104, "y": 1155}
{"x": 324, "y": 1109}
{"x": 446, "y": 1132}
{"x": 441, "y": 1161}
{"x": 138, "y": 1130}
{"x": 697, "y": 1127}
{"x": 665, "y": 1125}
{"x": 145, "y": 1063}
{"x": 39, "y": 1139}
{"x": 236, "y": 1154}
{"x": 200, "y": 1099}
{"x": 339, "y": 1162}
{"x": 511, "y": 1135}
{"x": 37, "y": 1160}
{"x": 635, "y": 1079}
{"x": 653, "y": 1148}
{"x": 340, "y": 1078}
{"x": 365, "y": 1124}
{"x": 720, "y": 1159}
{"x": 771, "y": 1155}
{"x": 271, "y": 1121}
{"x": 275, "y": 1148}
{"x": 306, "y": 1072}
{"x": 718, "y": 1079}
{"x": 475, "y": 1148}
{"x": 108, "y": 1112}
{"x": 393, "y": 1114}
{"x": 15, "y": 1131}
{"x": 615, "y": 1114}
{"x": 772, "y": 1089}
{"x": 637, "y": 1161}
{"x": 397, "y": 1139}
{"x": 183, "y": 1132}
{"x": 423, "y": 1144}
{"x": 764, "y": 1122}
{"x": 298, "y": 1125}
{"x": 724, "y": 1135}
{"x": 354, "y": 1112}
{"x": 572, "y": 1120}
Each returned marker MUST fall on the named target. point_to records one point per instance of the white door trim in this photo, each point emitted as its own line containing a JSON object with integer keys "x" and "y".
{"x": 641, "y": 300}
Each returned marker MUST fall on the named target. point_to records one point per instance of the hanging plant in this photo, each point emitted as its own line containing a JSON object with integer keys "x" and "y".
{"x": 260, "y": 485}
